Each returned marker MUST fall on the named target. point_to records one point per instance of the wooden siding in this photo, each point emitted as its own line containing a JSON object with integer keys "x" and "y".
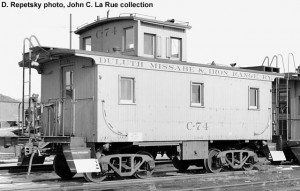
{"x": 162, "y": 111}
{"x": 50, "y": 92}
{"x": 109, "y": 36}
{"x": 164, "y": 33}
{"x": 294, "y": 124}
{"x": 84, "y": 81}
{"x": 84, "y": 85}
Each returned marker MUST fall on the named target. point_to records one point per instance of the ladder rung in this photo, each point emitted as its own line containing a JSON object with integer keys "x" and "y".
{"x": 26, "y": 82}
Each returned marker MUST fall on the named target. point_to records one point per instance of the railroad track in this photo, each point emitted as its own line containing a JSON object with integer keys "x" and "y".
{"x": 181, "y": 182}
{"x": 164, "y": 178}
{"x": 266, "y": 185}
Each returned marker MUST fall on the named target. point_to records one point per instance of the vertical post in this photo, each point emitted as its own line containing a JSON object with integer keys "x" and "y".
{"x": 19, "y": 109}
{"x": 74, "y": 111}
{"x": 70, "y": 31}
{"x": 61, "y": 99}
{"x": 63, "y": 120}
{"x": 49, "y": 121}
{"x": 54, "y": 118}
{"x": 29, "y": 96}
{"x": 23, "y": 89}
{"x": 277, "y": 105}
{"x": 287, "y": 101}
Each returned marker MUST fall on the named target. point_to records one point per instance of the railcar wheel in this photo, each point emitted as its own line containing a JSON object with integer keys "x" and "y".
{"x": 145, "y": 171}
{"x": 61, "y": 167}
{"x": 94, "y": 176}
{"x": 180, "y": 164}
{"x": 213, "y": 164}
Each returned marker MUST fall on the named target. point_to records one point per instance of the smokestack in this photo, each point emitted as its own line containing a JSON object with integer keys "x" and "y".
{"x": 107, "y": 14}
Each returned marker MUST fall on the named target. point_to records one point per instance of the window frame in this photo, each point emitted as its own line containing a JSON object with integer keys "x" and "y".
{"x": 69, "y": 84}
{"x": 180, "y": 48}
{"x": 133, "y": 38}
{"x": 257, "y": 99}
{"x": 153, "y": 45}
{"x": 84, "y": 43}
{"x": 285, "y": 102}
{"x": 132, "y": 101}
{"x": 201, "y": 94}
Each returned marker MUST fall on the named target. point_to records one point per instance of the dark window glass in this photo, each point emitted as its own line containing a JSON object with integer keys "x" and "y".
{"x": 87, "y": 44}
{"x": 69, "y": 84}
{"x": 197, "y": 94}
{"x": 253, "y": 98}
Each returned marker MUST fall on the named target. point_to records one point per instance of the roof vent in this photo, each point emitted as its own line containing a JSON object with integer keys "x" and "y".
{"x": 171, "y": 20}
{"x": 117, "y": 50}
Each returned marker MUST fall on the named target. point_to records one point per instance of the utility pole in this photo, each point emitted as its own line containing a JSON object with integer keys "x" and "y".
{"x": 70, "y": 31}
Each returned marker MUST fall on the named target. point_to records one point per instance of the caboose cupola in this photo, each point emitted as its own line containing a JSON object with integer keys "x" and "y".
{"x": 136, "y": 35}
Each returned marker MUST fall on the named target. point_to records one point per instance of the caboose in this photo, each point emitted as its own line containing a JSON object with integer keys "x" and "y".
{"x": 129, "y": 93}
{"x": 286, "y": 111}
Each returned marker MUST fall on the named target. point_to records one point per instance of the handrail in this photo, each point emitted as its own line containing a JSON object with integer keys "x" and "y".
{"x": 23, "y": 88}
{"x": 266, "y": 58}
{"x": 29, "y": 85}
{"x": 273, "y": 60}
{"x": 33, "y": 36}
{"x": 282, "y": 62}
{"x": 293, "y": 59}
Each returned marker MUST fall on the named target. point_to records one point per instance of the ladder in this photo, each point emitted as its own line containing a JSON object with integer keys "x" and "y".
{"x": 282, "y": 86}
{"x": 28, "y": 118}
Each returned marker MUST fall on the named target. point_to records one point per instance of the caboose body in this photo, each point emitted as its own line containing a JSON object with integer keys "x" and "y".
{"x": 115, "y": 98}
{"x": 130, "y": 90}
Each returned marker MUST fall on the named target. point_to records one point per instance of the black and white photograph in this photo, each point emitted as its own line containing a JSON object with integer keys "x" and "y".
{"x": 150, "y": 95}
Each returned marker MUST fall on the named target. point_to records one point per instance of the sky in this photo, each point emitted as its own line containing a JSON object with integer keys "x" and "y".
{"x": 223, "y": 31}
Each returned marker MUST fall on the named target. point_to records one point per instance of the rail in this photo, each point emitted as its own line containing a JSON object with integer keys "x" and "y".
{"x": 241, "y": 180}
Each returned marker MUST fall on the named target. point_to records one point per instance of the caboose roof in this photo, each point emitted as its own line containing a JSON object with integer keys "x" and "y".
{"x": 169, "y": 23}
{"x": 44, "y": 55}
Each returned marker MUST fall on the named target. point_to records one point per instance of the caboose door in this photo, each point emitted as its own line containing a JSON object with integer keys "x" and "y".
{"x": 68, "y": 100}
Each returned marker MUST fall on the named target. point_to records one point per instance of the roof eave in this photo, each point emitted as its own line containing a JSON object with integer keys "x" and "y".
{"x": 113, "y": 19}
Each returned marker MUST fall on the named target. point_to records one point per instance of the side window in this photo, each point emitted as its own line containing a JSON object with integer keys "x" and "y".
{"x": 197, "y": 94}
{"x": 253, "y": 98}
{"x": 69, "y": 85}
{"x": 283, "y": 109}
{"x": 126, "y": 90}
{"x": 129, "y": 38}
{"x": 149, "y": 44}
{"x": 87, "y": 43}
{"x": 175, "y": 48}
